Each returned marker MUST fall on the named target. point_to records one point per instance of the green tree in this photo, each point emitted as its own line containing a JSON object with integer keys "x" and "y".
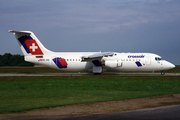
{"x": 13, "y": 60}
{"x": 1, "y": 63}
{"x": 6, "y": 58}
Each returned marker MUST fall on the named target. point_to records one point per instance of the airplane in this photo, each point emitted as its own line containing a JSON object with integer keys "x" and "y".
{"x": 96, "y": 62}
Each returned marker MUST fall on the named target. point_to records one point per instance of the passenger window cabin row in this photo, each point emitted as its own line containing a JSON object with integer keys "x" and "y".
{"x": 72, "y": 59}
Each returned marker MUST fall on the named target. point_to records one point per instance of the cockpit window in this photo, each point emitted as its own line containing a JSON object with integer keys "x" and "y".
{"x": 158, "y": 58}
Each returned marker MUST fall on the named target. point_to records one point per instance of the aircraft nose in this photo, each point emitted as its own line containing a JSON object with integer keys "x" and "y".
{"x": 168, "y": 65}
{"x": 172, "y": 66}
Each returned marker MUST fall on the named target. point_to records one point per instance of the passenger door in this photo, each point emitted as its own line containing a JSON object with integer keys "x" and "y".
{"x": 148, "y": 60}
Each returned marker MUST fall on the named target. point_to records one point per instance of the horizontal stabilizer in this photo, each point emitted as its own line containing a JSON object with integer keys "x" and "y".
{"x": 20, "y": 32}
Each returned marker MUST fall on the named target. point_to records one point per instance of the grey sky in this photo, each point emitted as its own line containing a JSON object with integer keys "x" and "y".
{"x": 95, "y": 25}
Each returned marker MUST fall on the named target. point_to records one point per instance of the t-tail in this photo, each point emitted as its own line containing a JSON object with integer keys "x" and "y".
{"x": 31, "y": 47}
{"x": 29, "y": 43}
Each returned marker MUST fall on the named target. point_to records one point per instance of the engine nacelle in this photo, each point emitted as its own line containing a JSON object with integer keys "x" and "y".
{"x": 113, "y": 63}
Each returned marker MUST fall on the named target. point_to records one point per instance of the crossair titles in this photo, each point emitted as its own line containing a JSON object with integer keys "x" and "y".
{"x": 136, "y": 56}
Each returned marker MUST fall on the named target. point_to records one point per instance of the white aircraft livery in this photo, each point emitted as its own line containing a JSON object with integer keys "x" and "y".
{"x": 97, "y": 62}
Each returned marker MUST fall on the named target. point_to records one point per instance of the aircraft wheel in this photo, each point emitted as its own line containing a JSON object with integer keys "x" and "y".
{"x": 162, "y": 72}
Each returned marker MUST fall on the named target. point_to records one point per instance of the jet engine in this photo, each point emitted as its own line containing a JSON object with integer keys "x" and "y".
{"x": 113, "y": 63}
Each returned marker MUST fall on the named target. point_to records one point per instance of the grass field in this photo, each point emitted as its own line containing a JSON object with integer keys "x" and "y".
{"x": 19, "y": 94}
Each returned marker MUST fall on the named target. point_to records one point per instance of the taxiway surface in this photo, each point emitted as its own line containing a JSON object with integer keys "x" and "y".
{"x": 86, "y": 74}
{"x": 161, "y": 113}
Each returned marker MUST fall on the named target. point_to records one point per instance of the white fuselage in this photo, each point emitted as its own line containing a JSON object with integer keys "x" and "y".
{"x": 120, "y": 61}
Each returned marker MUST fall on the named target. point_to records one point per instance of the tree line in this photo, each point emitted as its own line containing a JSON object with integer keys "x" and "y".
{"x": 13, "y": 60}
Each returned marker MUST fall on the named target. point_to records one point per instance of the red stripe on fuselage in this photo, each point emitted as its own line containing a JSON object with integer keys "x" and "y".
{"x": 63, "y": 62}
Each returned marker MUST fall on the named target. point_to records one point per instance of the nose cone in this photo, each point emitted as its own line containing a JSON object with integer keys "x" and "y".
{"x": 172, "y": 66}
{"x": 167, "y": 65}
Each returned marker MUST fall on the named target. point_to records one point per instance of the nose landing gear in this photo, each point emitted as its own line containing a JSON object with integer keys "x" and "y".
{"x": 162, "y": 73}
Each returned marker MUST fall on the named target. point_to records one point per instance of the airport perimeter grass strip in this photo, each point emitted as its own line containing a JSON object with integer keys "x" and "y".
{"x": 19, "y": 94}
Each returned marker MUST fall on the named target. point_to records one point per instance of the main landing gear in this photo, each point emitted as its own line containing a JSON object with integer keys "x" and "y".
{"x": 162, "y": 72}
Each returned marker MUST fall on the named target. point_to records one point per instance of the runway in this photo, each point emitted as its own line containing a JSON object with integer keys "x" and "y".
{"x": 87, "y": 74}
{"x": 161, "y": 113}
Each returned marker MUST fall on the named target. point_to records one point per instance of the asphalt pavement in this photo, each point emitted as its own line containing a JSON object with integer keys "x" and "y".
{"x": 86, "y": 74}
{"x": 160, "y": 113}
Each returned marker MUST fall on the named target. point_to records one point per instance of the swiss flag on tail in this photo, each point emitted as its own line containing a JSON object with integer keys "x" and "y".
{"x": 33, "y": 47}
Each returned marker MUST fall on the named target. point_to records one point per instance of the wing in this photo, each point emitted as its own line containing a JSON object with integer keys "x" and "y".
{"x": 96, "y": 56}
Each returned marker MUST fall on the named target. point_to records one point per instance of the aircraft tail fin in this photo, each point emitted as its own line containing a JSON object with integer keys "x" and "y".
{"x": 29, "y": 43}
